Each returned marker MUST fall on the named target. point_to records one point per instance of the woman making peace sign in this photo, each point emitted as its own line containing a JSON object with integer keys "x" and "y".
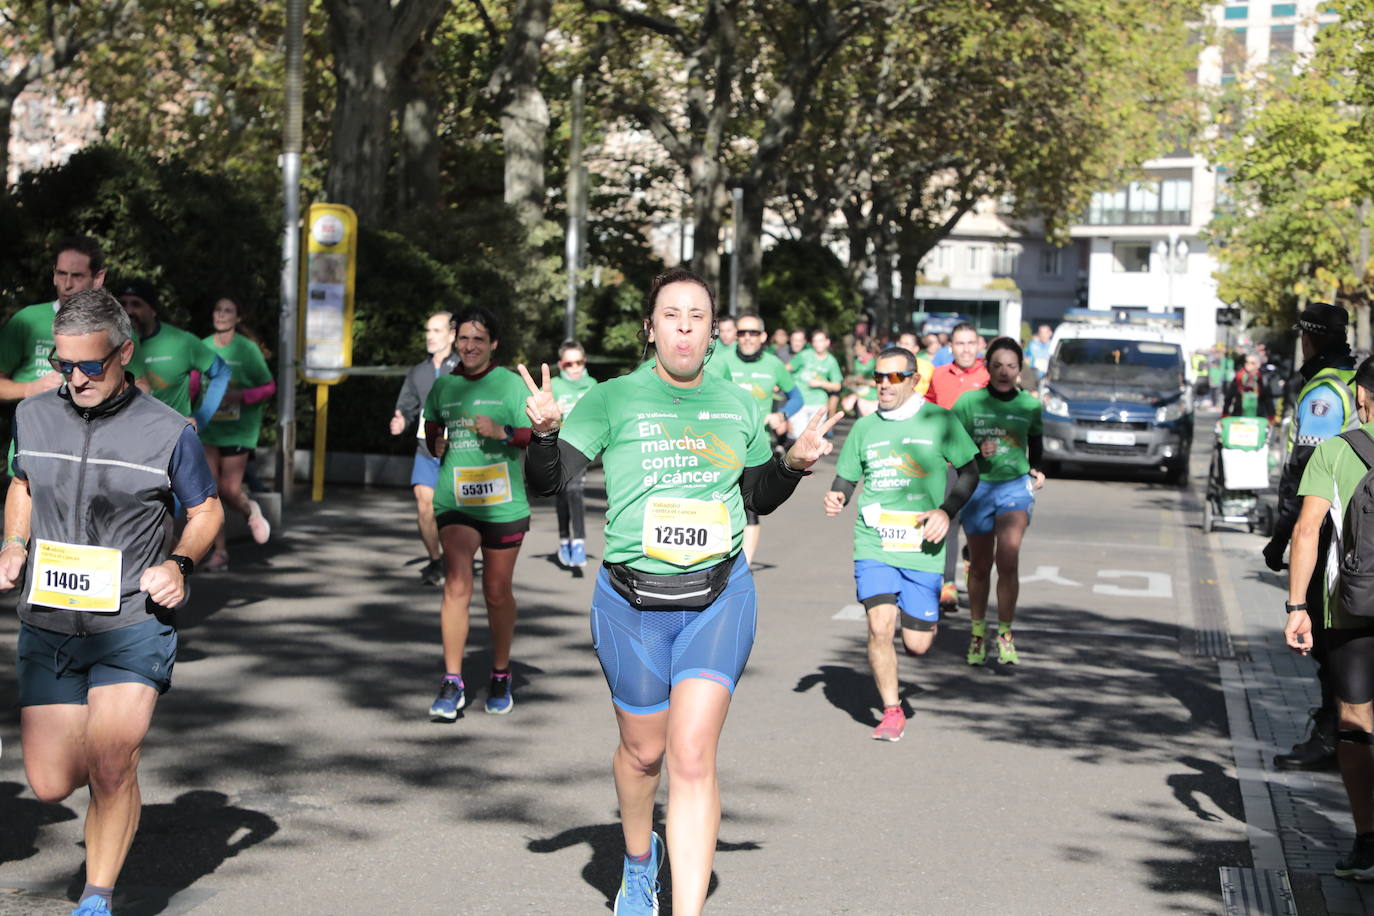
{"x": 673, "y": 612}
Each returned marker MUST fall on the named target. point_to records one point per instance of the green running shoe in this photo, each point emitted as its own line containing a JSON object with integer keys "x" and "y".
{"x": 1006, "y": 649}
{"x": 977, "y": 650}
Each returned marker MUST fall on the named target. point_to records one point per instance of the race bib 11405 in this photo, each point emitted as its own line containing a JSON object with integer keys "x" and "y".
{"x": 76, "y": 577}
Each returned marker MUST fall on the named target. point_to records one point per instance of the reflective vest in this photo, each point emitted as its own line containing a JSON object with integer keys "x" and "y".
{"x": 1339, "y": 380}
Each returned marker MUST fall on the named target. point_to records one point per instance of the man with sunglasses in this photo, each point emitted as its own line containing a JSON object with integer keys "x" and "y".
{"x": 763, "y": 375}
{"x": 569, "y": 386}
{"x": 87, "y": 527}
{"x": 900, "y": 454}
{"x": 170, "y": 355}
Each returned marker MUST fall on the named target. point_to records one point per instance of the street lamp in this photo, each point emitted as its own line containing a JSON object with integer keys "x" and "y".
{"x": 1173, "y": 256}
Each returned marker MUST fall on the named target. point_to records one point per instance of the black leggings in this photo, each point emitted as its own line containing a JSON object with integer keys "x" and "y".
{"x": 1350, "y": 657}
{"x": 572, "y": 509}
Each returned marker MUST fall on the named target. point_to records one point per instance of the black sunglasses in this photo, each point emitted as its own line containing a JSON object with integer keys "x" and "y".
{"x": 91, "y": 368}
{"x": 750, "y": 333}
{"x": 892, "y": 378}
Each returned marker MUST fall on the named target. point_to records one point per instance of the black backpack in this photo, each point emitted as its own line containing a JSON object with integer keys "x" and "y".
{"x": 1357, "y": 533}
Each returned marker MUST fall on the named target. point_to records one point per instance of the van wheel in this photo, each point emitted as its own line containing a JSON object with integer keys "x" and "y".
{"x": 1208, "y": 519}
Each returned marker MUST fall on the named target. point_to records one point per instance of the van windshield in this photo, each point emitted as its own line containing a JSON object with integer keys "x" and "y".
{"x": 1122, "y": 361}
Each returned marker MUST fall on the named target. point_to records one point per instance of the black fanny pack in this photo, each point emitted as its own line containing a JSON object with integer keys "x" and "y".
{"x": 684, "y": 592}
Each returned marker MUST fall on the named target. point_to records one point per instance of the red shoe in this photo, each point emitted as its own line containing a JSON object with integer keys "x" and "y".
{"x": 949, "y": 598}
{"x": 892, "y": 726}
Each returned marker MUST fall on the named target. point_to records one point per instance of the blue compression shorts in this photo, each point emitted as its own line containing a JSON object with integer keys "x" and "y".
{"x": 916, "y": 593}
{"x": 424, "y": 472}
{"x": 645, "y": 653}
{"x": 989, "y": 500}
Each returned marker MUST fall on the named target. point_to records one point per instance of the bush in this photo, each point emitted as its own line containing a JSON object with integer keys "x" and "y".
{"x": 804, "y": 285}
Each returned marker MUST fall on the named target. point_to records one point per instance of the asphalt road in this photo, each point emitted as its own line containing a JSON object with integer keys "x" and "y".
{"x": 293, "y": 768}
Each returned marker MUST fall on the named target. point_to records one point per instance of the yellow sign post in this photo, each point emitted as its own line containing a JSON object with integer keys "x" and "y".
{"x": 326, "y": 313}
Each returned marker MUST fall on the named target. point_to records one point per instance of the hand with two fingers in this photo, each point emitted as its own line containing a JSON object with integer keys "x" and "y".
{"x": 811, "y": 446}
{"x": 541, "y": 406}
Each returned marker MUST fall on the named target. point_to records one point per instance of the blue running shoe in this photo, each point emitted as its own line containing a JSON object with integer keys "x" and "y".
{"x": 93, "y": 905}
{"x": 565, "y": 554}
{"x": 579, "y": 553}
{"x": 446, "y": 705}
{"x": 499, "y": 699}
{"x": 639, "y": 885}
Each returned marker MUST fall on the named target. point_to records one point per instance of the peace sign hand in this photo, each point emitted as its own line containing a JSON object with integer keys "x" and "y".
{"x": 811, "y": 446}
{"x": 541, "y": 407}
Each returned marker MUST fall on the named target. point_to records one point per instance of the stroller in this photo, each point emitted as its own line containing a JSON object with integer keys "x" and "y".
{"x": 1239, "y": 472}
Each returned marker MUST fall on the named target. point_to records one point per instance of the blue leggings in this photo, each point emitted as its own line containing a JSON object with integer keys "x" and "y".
{"x": 645, "y": 653}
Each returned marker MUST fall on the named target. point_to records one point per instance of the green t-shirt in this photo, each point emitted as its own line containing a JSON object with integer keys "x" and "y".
{"x": 902, "y": 465}
{"x": 168, "y": 358}
{"x": 240, "y": 425}
{"x": 673, "y": 458}
{"x": 1334, "y": 472}
{"x": 807, "y": 365}
{"x": 863, "y": 379}
{"x": 25, "y": 342}
{"x": 568, "y": 392}
{"x": 1009, "y": 423}
{"x": 759, "y": 378}
{"x": 479, "y": 476}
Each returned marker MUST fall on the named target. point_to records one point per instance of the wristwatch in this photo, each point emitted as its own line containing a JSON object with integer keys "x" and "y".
{"x": 185, "y": 564}
{"x": 1290, "y": 608}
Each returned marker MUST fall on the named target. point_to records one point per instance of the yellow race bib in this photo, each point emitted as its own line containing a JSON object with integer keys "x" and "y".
{"x": 76, "y": 577}
{"x": 899, "y": 531}
{"x": 488, "y": 485}
{"x": 685, "y": 531}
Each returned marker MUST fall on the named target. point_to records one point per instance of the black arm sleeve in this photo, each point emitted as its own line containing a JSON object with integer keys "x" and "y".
{"x": 964, "y": 486}
{"x": 1037, "y": 451}
{"x": 1290, "y": 504}
{"x": 550, "y": 464}
{"x": 840, "y": 485}
{"x": 767, "y": 486}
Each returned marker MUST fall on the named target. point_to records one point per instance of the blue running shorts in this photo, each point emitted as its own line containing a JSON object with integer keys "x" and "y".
{"x": 916, "y": 593}
{"x": 645, "y": 653}
{"x": 424, "y": 472}
{"x": 60, "y": 668}
{"x": 990, "y": 500}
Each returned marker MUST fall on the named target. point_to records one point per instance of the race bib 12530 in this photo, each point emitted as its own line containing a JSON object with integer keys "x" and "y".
{"x": 685, "y": 531}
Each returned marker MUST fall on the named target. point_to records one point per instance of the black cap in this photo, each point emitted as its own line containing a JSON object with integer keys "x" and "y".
{"x": 1364, "y": 376}
{"x": 139, "y": 289}
{"x": 1324, "y": 320}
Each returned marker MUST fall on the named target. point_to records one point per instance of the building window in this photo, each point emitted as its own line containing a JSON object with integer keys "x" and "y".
{"x": 1005, "y": 260}
{"x": 1162, "y": 202}
{"x": 1237, "y": 12}
{"x": 1282, "y": 10}
{"x": 1280, "y": 42}
{"x": 1176, "y": 201}
{"x": 1051, "y": 261}
{"x": 975, "y": 258}
{"x": 1142, "y": 203}
{"x": 1131, "y": 257}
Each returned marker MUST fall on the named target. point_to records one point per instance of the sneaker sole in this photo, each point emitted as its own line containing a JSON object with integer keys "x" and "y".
{"x": 1355, "y": 874}
{"x": 501, "y": 712}
{"x": 887, "y": 737}
{"x": 445, "y": 717}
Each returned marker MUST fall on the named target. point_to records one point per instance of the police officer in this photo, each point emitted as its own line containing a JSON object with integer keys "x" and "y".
{"x": 1325, "y": 407}
{"x": 88, "y": 524}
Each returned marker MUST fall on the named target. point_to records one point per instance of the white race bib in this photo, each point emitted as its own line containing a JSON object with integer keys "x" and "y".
{"x": 898, "y": 531}
{"x": 76, "y": 577}
{"x": 488, "y": 485}
{"x": 685, "y": 531}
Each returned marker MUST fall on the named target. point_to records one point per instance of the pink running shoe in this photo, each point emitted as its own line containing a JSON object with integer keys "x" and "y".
{"x": 892, "y": 726}
{"x": 258, "y": 525}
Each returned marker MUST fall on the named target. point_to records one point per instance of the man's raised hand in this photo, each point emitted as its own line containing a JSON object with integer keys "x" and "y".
{"x": 811, "y": 446}
{"x": 541, "y": 407}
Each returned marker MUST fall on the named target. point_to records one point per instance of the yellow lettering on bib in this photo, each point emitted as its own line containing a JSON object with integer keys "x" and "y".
{"x": 76, "y": 577}
{"x": 898, "y": 531}
{"x": 488, "y": 485}
{"x": 685, "y": 531}
{"x": 229, "y": 414}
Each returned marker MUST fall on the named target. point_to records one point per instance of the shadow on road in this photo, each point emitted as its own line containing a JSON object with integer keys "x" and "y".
{"x": 853, "y": 691}
{"x": 20, "y": 820}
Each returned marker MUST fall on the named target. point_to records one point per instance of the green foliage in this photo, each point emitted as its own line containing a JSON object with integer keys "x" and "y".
{"x": 804, "y": 285}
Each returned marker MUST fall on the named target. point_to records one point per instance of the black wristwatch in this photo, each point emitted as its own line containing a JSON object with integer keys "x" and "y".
{"x": 185, "y": 564}
{"x": 1290, "y": 608}
{"x": 510, "y": 434}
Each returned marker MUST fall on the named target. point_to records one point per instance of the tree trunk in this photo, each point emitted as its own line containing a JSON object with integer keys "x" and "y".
{"x": 418, "y": 187}
{"x": 514, "y": 85}
{"x": 884, "y": 258}
{"x": 709, "y": 198}
{"x": 749, "y": 238}
{"x": 6, "y": 111}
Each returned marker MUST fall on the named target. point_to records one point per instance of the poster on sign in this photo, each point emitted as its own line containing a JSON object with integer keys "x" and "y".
{"x": 326, "y": 326}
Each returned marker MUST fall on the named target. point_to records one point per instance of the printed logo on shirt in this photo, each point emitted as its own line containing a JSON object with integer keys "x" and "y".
{"x": 1321, "y": 408}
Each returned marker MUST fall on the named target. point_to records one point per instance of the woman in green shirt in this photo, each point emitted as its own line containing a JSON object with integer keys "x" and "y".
{"x": 861, "y": 394}
{"x": 232, "y": 433}
{"x": 569, "y": 386}
{"x": 1004, "y": 422}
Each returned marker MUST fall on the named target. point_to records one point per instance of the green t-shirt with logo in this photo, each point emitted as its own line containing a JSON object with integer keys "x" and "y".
{"x": 168, "y": 358}
{"x": 673, "y": 458}
{"x": 479, "y": 476}
{"x": 26, "y": 341}
{"x": 240, "y": 425}
{"x": 863, "y": 379}
{"x": 1334, "y": 472}
{"x": 902, "y": 465}
{"x": 760, "y": 378}
{"x": 1009, "y": 423}
{"x": 568, "y": 392}
{"x": 808, "y": 365}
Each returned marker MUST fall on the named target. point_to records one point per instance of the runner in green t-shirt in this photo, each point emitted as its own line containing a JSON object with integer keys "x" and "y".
{"x": 1004, "y": 422}
{"x": 232, "y": 433}
{"x": 900, "y": 453}
{"x": 170, "y": 355}
{"x": 475, "y": 425}
{"x": 674, "y": 611}
{"x": 1333, "y": 474}
{"x": 817, "y": 374}
{"x": 569, "y": 386}
{"x": 861, "y": 394}
{"x": 763, "y": 376}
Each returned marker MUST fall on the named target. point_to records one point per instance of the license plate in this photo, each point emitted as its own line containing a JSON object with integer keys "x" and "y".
{"x": 1105, "y": 437}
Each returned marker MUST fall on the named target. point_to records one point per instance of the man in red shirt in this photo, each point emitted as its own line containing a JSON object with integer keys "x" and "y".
{"x": 966, "y": 373}
{"x": 947, "y": 383}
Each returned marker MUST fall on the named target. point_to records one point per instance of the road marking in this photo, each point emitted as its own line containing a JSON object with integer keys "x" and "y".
{"x": 851, "y": 612}
{"x": 1158, "y": 584}
{"x": 855, "y": 612}
{"x": 1049, "y": 574}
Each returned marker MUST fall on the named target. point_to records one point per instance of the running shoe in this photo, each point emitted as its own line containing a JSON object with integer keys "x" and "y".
{"x": 564, "y": 554}
{"x": 579, "y": 554}
{"x": 1006, "y": 649}
{"x": 949, "y": 598}
{"x": 977, "y": 650}
{"x": 499, "y": 699}
{"x": 639, "y": 884}
{"x": 433, "y": 572}
{"x": 93, "y": 905}
{"x": 892, "y": 726}
{"x": 219, "y": 560}
{"x": 446, "y": 705}
{"x": 1360, "y": 863}
{"x": 258, "y": 525}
